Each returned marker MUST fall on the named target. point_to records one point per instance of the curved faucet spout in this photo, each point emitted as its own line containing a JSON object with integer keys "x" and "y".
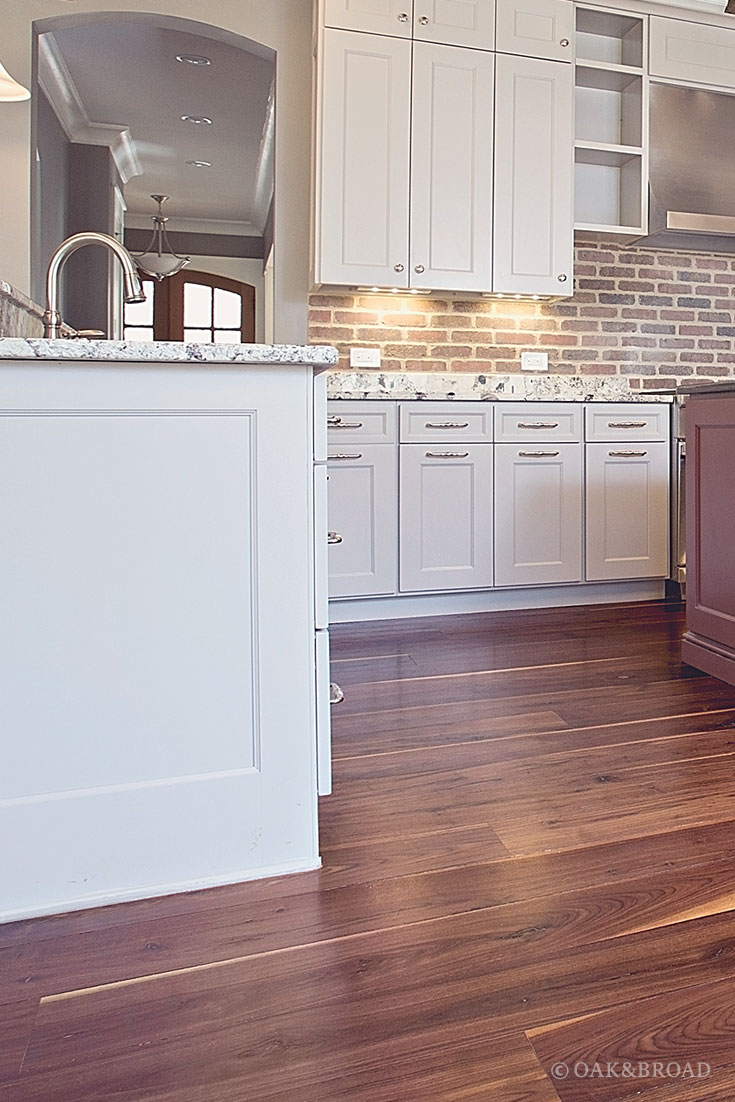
{"x": 133, "y": 287}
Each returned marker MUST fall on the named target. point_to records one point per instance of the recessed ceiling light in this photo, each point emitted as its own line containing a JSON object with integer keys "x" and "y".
{"x": 194, "y": 59}
{"x": 200, "y": 164}
{"x": 198, "y": 120}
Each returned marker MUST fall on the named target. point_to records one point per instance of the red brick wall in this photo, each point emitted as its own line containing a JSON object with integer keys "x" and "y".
{"x": 654, "y": 316}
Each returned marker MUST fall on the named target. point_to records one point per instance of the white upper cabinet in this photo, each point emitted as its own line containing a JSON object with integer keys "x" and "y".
{"x": 364, "y": 131}
{"x": 456, "y": 22}
{"x": 534, "y": 207}
{"x": 692, "y": 52}
{"x": 392, "y": 17}
{"x": 451, "y": 22}
{"x": 451, "y": 168}
{"x": 536, "y": 28}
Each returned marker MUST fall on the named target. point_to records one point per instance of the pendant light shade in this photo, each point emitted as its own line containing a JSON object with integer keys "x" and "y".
{"x": 10, "y": 90}
{"x": 159, "y": 261}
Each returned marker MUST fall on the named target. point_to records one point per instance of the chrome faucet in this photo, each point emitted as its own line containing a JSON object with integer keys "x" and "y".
{"x": 133, "y": 288}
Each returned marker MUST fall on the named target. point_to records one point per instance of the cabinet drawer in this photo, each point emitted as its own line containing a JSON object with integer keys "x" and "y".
{"x": 360, "y": 423}
{"x": 522, "y": 422}
{"x": 611, "y": 423}
{"x": 446, "y": 422}
{"x": 692, "y": 52}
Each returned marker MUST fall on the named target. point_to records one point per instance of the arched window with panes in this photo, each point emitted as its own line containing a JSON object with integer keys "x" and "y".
{"x": 193, "y": 306}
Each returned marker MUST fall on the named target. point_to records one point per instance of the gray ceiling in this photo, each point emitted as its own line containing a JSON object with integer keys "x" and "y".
{"x": 125, "y": 73}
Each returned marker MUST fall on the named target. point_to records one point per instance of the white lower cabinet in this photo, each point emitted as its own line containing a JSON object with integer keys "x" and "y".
{"x": 363, "y": 539}
{"x": 538, "y": 514}
{"x": 446, "y": 516}
{"x": 627, "y": 511}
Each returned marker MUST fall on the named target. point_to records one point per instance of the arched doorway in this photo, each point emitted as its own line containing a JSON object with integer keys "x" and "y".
{"x": 193, "y": 306}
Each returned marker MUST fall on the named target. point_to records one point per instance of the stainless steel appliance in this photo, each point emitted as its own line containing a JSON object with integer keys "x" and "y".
{"x": 678, "y": 495}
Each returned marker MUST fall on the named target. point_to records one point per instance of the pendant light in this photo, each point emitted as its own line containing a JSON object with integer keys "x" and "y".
{"x": 159, "y": 260}
{"x": 10, "y": 90}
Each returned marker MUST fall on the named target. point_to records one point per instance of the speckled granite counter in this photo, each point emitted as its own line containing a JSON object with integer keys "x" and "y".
{"x": 16, "y": 348}
{"x": 487, "y": 388}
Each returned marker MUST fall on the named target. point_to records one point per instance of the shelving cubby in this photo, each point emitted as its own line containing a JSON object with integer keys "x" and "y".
{"x": 610, "y": 122}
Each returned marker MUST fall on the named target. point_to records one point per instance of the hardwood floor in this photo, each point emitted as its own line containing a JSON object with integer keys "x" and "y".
{"x": 528, "y": 895}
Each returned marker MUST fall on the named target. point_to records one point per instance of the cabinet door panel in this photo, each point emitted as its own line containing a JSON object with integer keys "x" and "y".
{"x": 534, "y": 227}
{"x": 538, "y": 514}
{"x": 627, "y": 511}
{"x": 365, "y": 134}
{"x": 456, "y": 22}
{"x": 692, "y": 52}
{"x": 452, "y": 157}
{"x": 536, "y": 28}
{"x": 391, "y": 17}
{"x": 363, "y": 512}
{"x": 446, "y": 517}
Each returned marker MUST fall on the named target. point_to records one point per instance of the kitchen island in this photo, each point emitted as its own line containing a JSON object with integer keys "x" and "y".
{"x": 709, "y": 643}
{"x": 164, "y": 652}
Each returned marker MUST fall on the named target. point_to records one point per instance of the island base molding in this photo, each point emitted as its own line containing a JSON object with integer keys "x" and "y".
{"x": 709, "y": 657}
{"x": 493, "y": 600}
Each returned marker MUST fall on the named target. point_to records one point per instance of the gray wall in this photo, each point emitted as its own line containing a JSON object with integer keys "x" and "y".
{"x": 52, "y": 147}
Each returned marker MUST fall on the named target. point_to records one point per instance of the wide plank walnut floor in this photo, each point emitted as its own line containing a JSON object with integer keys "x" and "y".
{"x": 529, "y": 866}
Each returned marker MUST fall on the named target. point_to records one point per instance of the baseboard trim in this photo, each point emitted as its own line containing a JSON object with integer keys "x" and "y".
{"x": 493, "y": 600}
{"x": 708, "y": 656}
{"x": 107, "y": 898}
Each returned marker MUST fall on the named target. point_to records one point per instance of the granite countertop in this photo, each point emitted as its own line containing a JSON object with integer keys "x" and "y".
{"x": 488, "y": 388}
{"x": 18, "y": 348}
{"x": 721, "y": 386}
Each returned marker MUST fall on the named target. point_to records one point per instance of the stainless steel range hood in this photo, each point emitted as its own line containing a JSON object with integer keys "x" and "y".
{"x": 692, "y": 169}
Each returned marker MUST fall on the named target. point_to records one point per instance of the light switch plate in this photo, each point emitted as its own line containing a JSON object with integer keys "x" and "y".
{"x": 364, "y": 357}
{"x": 534, "y": 361}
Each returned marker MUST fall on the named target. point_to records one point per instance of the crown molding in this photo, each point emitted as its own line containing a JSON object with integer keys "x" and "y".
{"x": 56, "y": 82}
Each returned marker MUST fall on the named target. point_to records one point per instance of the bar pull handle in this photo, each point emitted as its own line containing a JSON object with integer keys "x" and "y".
{"x": 334, "y": 537}
{"x": 336, "y": 695}
{"x": 626, "y": 424}
{"x": 538, "y": 424}
{"x": 447, "y": 455}
{"x": 536, "y": 455}
{"x": 627, "y": 455}
{"x": 340, "y": 424}
{"x": 345, "y": 455}
{"x": 447, "y": 425}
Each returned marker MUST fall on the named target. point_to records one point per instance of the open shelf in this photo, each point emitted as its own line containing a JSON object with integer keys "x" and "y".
{"x": 608, "y": 190}
{"x": 611, "y": 78}
{"x": 596, "y": 153}
{"x": 609, "y": 37}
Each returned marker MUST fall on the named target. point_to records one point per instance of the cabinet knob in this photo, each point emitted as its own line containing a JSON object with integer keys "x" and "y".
{"x": 419, "y": 268}
{"x": 403, "y": 17}
{"x": 562, "y": 277}
{"x": 424, "y": 20}
{"x": 398, "y": 267}
{"x": 563, "y": 41}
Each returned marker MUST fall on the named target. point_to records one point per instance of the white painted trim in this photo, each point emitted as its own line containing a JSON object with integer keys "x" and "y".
{"x": 57, "y": 84}
{"x": 105, "y": 899}
{"x": 265, "y": 171}
{"x": 493, "y": 600}
{"x": 136, "y": 220}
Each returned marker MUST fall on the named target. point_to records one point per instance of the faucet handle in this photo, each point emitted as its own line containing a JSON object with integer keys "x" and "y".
{"x": 88, "y": 334}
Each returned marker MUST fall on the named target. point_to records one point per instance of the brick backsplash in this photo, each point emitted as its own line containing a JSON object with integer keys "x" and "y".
{"x": 654, "y": 316}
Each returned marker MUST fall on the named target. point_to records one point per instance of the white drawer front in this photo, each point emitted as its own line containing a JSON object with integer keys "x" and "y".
{"x": 522, "y": 422}
{"x": 361, "y": 422}
{"x": 446, "y": 422}
{"x": 692, "y": 52}
{"x": 629, "y": 421}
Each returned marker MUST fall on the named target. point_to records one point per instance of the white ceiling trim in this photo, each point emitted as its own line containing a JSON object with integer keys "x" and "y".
{"x": 181, "y": 224}
{"x": 57, "y": 85}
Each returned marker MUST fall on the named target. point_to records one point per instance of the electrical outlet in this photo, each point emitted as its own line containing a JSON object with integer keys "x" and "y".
{"x": 364, "y": 357}
{"x": 534, "y": 361}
